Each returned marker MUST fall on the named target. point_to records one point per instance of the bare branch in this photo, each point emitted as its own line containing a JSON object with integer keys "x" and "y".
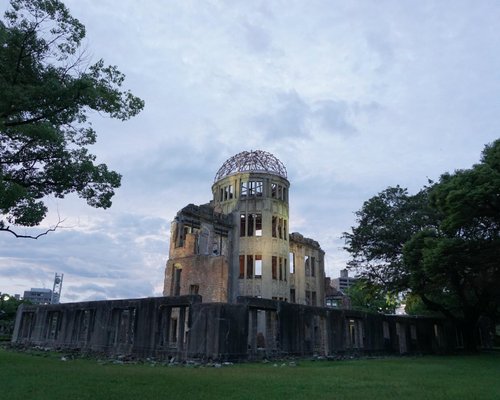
{"x": 53, "y": 229}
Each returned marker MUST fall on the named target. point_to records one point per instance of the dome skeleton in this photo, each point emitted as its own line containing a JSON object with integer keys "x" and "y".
{"x": 251, "y": 161}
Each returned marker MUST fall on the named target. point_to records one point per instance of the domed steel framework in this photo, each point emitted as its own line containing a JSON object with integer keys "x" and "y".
{"x": 251, "y": 161}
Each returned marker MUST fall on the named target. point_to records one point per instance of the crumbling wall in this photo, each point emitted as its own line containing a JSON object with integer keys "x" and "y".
{"x": 183, "y": 327}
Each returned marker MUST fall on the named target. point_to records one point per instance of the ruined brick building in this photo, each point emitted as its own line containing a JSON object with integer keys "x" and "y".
{"x": 239, "y": 243}
{"x": 237, "y": 286}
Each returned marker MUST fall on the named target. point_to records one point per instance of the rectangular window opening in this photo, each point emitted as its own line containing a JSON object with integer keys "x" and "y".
{"x": 274, "y": 267}
{"x": 244, "y": 189}
{"x": 258, "y": 188}
{"x": 292, "y": 262}
{"x": 274, "y": 190}
{"x": 243, "y": 224}
{"x": 274, "y": 225}
{"x": 249, "y": 266}
{"x": 250, "y": 224}
{"x": 258, "y": 224}
{"x": 177, "y": 281}
{"x": 194, "y": 289}
{"x": 242, "y": 266}
{"x": 258, "y": 266}
{"x": 307, "y": 266}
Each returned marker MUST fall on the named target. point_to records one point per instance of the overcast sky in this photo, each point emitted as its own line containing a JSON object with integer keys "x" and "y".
{"x": 352, "y": 96}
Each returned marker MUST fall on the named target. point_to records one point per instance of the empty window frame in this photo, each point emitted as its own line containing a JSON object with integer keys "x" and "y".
{"x": 251, "y": 224}
{"x": 274, "y": 267}
{"x": 84, "y": 322}
{"x": 125, "y": 328}
{"x": 274, "y": 225}
{"x": 413, "y": 332}
{"x": 258, "y": 266}
{"x": 278, "y": 192}
{"x": 284, "y": 229}
{"x": 280, "y": 228}
{"x": 313, "y": 299}
{"x": 194, "y": 289}
{"x": 255, "y": 188}
{"x": 243, "y": 224}
{"x": 386, "y": 331}
{"x": 249, "y": 266}
{"x": 313, "y": 266}
{"x": 292, "y": 296}
{"x": 53, "y": 324}
{"x": 307, "y": 265}
{"x": 252, "y": 265}
{"x": 177, "y": 281}
{"x": 274, "y": 190}
{"x": 242, "y": 266}
{"x": 228, "y": 192}
{"x": 244, "y": 189}
{"x": 251, "y": 188}
{"x": 308, "y": 297}
{"x": 280, "y": 261}
{"x": 291, "y": 257}
{"x": 258, "y": 224}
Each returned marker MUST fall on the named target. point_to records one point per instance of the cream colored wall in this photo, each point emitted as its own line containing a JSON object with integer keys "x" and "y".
{"x": 265, "y": 245}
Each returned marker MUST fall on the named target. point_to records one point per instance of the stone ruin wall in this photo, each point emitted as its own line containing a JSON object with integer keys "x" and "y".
{"x": 185, "y": 328}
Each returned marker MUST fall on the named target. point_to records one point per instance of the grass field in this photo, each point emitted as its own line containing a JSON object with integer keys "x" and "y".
{"x": 46, "y": 376}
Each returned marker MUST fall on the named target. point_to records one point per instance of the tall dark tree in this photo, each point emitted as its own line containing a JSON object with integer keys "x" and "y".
{"x": 384, "y": 224}
{"x": 442, "y": 245}
{"x": 455, "y": 269}
{"x": 47, "y": 92}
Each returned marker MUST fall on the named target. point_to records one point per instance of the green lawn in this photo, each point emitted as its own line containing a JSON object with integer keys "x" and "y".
{"x": 25, "y": 376}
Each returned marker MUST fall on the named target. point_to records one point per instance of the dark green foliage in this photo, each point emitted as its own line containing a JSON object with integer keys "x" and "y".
{"x": 385, "y": 223}
{"x": 8, "y": 309}
{"x": 442, "y": 245}
{"x": 47, "y": 92}
{"x": 370, "y": 297}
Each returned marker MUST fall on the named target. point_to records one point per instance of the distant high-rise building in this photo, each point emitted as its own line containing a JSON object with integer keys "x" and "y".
{"x": 344, "y": 282}
{"x": 38, "y": 295}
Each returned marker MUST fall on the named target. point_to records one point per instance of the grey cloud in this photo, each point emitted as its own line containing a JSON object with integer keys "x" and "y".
{"x": 286, "y": 119}
{"x": 257, "y": 39}
{"x": 293, "y": 117}
{"x": 333, "y": 116}
{"x": 125, "y": 248}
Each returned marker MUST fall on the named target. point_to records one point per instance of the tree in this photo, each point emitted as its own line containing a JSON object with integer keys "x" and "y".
{"x": 384, "y": 224}
{"x": 455, "y": 269}
{"x": 441, "y": 245}
{"x": 8, "y": 309}
{"x": 367, "y": 296}
{"x": 48, "y": 92}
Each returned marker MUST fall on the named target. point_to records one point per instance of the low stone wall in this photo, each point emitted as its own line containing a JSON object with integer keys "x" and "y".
{"x": 185, "y": 328}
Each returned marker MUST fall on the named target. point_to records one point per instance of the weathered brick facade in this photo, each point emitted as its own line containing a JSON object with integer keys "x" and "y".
{"x": 239, "y": 244}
